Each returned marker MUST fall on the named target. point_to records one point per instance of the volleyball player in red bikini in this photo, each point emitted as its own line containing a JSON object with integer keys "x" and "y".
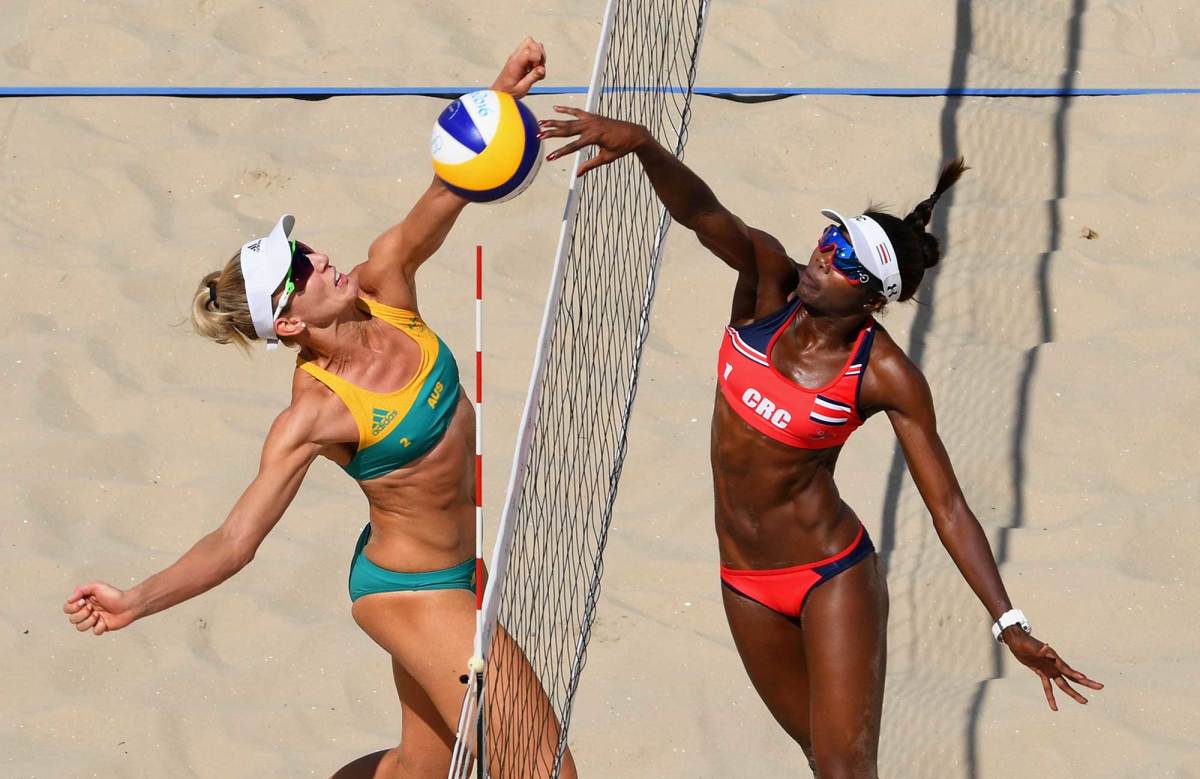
{"x": 802, "y": 365}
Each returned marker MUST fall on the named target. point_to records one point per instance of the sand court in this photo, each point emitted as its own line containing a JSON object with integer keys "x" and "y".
{"x": 1056, "y": 336}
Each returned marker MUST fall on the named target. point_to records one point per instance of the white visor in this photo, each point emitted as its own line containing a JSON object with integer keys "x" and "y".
{"x": 873, "y": 249}
{"x": 265, "y": 263}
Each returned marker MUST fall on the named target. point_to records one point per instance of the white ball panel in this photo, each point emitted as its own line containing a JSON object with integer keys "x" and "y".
{"x": 446, "y": 150}
{"x": 484, "y": 109}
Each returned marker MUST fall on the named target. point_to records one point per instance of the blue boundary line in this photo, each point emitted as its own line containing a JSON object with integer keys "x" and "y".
{"x": 321, "y": 93}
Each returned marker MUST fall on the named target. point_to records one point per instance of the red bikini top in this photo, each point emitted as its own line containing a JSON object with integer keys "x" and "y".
{"x": 779, "y": 407}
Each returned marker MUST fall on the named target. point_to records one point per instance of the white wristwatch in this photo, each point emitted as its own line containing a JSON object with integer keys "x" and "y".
{"x": 1007, "y": 620}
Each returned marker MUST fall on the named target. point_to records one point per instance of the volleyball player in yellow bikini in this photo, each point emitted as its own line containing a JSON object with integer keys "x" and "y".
{"x": 377, "y": 392}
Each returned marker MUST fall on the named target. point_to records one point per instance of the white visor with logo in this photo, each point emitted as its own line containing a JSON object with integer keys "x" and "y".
{"x": 265, "y": 264}
{"x": 873, "y": 249}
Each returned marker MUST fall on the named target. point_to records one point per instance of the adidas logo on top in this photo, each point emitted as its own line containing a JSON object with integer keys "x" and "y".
{"x": 380, "y": 419}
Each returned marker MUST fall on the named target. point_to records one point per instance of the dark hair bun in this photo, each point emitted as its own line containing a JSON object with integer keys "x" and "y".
{"x": 933, "y": 252}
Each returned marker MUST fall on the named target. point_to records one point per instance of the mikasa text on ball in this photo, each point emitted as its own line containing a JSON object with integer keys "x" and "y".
{"x": 485, "y": 146}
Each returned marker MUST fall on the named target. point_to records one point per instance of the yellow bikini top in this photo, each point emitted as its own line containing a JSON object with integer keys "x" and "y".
{"x": 395, "y": 428}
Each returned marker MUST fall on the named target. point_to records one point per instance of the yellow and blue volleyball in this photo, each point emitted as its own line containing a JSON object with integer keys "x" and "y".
{"x": 485, "y": 146}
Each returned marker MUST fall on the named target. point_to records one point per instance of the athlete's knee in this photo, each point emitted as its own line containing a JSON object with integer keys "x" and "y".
{"x": 843, "y": 763}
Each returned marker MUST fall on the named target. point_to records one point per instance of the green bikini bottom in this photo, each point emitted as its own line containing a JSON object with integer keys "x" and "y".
{"x": 367, "y": 578}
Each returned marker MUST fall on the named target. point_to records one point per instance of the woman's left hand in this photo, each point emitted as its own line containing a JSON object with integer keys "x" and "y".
{"x": 1046, "y": 663}
{"x": 525, "y": 67}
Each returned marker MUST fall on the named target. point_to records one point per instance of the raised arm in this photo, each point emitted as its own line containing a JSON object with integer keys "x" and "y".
{"x": 904, "y": 394}
{"x": 286, "y": 457}
{"x": 394, "y": 257}
{"x": 763, "y": 266}
{"x": 389, "y": 274}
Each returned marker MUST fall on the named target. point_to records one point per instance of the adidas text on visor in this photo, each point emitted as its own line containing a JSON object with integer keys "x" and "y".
{"x": 873, "y": 249}
{"x": 265, "y": 264}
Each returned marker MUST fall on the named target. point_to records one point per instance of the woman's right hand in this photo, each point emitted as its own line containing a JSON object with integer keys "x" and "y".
{"x": 614, "y": 138}
{"x": 99, "y": 607}
{"x": 525, "y": 67}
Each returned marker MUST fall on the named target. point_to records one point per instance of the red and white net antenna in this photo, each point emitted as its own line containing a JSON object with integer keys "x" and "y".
{"x": 478, "y": 651}
{"x": 470, "y": 719}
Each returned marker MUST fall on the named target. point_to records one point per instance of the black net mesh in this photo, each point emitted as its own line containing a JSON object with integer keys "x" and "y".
{"x": 561, "y": 517}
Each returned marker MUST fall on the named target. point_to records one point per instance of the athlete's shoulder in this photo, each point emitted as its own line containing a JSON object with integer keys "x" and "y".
{"x": 316, "y": 413}
{"x": 395, "y": 290}
{"x": 765, "y": 242}
{"x": 892, "y": 379}
{"x": 773, "y": 260}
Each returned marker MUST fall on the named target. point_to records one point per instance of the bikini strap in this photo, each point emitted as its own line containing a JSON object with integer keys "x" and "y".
{"x": 349, "y": 394}
{"x": 858, "y": 366}
{"x": 761, "y": 332}
{"x": 866, "y": 337}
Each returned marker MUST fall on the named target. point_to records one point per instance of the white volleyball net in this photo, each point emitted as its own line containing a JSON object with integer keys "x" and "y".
{"x": 548, "y": 558}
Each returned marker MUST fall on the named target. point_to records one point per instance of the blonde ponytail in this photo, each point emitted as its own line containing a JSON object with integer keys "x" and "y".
{"x": 219, "y": 308}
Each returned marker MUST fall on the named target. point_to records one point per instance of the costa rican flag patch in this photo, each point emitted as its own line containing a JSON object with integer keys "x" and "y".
{"x": 827, "y": 411}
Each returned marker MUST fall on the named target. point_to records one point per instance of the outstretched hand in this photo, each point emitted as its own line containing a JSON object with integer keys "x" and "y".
{"x": 1045, "y": 662}
{"x": 613, "y": 137}
{"x": 525, "y": 67}
{"x": 99, "y": 607}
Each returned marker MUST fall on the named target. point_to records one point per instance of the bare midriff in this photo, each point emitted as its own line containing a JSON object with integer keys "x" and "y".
{"x": 776, "y": 505}
{"x": 423, "y": 514}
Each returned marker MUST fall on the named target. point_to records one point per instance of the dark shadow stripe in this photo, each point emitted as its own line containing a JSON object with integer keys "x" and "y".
{"x": 1025, "y": 386}
{"x": 924, "y": 318}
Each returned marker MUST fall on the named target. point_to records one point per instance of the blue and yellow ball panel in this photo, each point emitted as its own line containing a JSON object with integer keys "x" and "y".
{"x": 485, "y": 146}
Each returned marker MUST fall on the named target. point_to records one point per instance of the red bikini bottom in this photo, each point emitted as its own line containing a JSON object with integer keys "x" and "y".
{"x": 785, "y": 590}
